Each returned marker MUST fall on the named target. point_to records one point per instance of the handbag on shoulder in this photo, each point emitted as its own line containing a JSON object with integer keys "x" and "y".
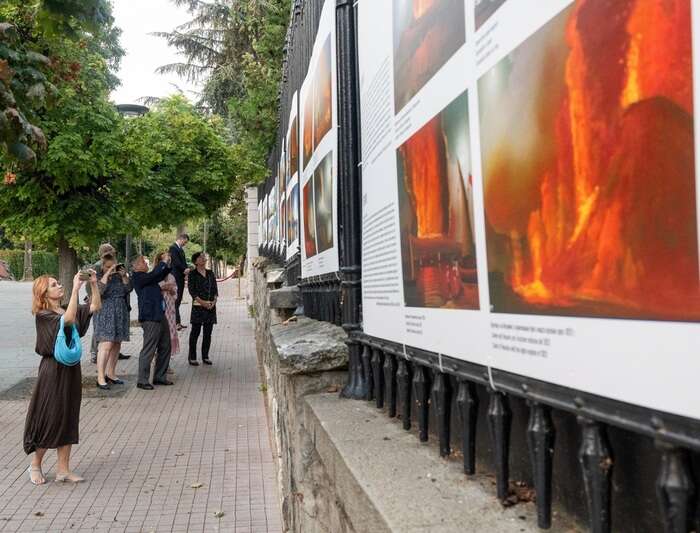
{"x": 64, "y": 353}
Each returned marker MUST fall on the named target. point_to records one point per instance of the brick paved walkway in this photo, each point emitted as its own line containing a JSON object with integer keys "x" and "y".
{"x": 142, "y": 452}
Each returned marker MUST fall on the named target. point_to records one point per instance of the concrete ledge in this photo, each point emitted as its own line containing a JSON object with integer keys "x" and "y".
{"x": 386, "y": 480}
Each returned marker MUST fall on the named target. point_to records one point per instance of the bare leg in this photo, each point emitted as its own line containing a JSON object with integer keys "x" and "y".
{"x": 63, "y": 472}
{"x": 35, "y": 472}
{"x": 103, "y": 353}
{"x": 111, "y": 370}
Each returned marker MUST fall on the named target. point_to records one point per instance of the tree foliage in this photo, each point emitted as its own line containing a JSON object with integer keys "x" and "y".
{"x": 67, "y": 194}
{"x": 28, "y": 32}
{"x": 236, "y": 49}
{"x": 179, "y": 165}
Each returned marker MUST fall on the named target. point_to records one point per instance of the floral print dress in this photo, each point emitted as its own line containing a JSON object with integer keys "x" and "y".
{"x": 169, "y": 289}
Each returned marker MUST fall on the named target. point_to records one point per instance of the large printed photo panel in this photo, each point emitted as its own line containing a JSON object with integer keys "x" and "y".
{"x": 323, "y": 94}
{"x": 426, "y": 34}
{"x": 323, "y": 203}
{"x": 588, "y": 161}
{"x": 436, "y": 211}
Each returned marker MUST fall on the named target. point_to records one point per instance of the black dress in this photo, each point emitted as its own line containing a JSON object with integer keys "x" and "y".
{"x": 54, "y": 410}
{"x": 205, "y": 288}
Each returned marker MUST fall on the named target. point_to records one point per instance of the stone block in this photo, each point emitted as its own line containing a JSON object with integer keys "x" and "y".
{"x": 307, "y": 346}
{"x": 285, "y": 298}
{"x": 275, "y": 277}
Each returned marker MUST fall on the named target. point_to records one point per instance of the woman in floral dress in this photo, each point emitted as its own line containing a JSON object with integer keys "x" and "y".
{"x": 168, "y": 288}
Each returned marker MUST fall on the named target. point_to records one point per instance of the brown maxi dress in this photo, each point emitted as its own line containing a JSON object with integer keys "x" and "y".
{"x": 54, "y": 410}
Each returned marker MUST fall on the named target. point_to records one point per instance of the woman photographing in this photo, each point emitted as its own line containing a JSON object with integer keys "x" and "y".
{"x": 112, "y": 322}
{"x": 54, "y": 410}
{"x": 204, "y": 292}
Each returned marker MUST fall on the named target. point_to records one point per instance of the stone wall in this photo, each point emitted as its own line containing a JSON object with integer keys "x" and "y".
{"x": 298, "y": 357}
{"x": 343, "y": 465}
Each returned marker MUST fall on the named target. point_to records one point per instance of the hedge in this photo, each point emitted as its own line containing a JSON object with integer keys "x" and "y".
{"x": 42, "y": 262}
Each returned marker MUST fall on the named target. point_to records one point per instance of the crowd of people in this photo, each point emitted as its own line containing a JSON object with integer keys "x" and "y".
{"x": 54, "y": 410}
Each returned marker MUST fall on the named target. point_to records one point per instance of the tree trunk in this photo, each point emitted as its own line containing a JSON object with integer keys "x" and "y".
{"x": 28, "y": 269}
{"x": 140, "y": 246}
{"x": 127, "y": 250}
{"x": 181, "y": 228}
{"x": 206, "y": 232}
{"x": 67, "y": 267}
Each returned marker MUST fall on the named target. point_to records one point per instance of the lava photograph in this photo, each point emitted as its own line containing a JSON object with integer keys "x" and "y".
{"x": 293, "y": 149}
{"x": 323, "y": 110}
{"x": 309, "y": 220}
{"x": 323, "y": 202}
{"x": 436, "y": 212}
{"x": 308, "y": 139}
{"x": 484, "y": 9}
{"x": 292, "y": 214}
{"x": 273, "y": 214}
{"x": 589, "y": 166}
{"x": 427, "y": 33}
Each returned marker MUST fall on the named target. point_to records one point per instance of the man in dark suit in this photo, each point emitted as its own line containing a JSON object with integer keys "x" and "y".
{"x": 156, "y": 333}
{"x": 180, "y": 270}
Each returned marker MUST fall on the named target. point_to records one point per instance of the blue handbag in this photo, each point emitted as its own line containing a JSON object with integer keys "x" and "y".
{"x": 64, "y": 353}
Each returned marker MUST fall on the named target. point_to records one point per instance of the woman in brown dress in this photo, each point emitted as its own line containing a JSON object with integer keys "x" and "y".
{"x": 54, "y": 410}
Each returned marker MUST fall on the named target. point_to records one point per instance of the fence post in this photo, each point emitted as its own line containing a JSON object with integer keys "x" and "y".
{"x": 349, "y": 190}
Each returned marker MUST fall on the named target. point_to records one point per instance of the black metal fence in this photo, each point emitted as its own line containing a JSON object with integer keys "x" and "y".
{"x": 624, "y": 453}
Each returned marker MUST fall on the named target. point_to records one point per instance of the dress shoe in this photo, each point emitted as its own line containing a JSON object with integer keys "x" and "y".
{"x": 144, "y": 386}
{"x": 123, "y": 357}
{"x": 193, "y": 362}
{"x": 114, "y": 381}
{"x": 207, "y": 362}
{"x": 164, "y": 382}
{"x": 103, "y": 387}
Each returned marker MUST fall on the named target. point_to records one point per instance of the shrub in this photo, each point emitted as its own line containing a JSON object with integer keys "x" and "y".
{"x": 42, "y": 262}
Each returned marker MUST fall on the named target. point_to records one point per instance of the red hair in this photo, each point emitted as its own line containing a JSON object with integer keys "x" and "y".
{"x": 40, "y": 289}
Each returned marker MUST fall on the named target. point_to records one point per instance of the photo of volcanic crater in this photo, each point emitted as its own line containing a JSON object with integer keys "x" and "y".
{"x": 587, "y": 140}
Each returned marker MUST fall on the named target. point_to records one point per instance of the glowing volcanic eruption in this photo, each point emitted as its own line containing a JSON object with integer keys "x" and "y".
{"x": 590, "y": 193}
{"x": 437, "y": 239}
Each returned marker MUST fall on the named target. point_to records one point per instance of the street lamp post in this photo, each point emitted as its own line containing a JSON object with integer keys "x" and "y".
{"x": 130, "y": 111}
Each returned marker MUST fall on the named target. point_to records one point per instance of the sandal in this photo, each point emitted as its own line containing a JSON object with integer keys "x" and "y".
{"x": 36, "y": 469}
{"x": 69, "y": 476}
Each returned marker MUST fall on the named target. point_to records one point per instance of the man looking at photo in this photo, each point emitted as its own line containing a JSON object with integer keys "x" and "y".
{"x": 156, "y": 332}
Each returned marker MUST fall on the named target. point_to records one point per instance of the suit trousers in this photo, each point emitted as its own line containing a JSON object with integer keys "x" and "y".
{"x": 156, "y": 340}
{"x": 180, "y": 290}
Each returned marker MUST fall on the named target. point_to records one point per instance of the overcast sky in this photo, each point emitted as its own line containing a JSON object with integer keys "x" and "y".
{"x": 145, "y": 53}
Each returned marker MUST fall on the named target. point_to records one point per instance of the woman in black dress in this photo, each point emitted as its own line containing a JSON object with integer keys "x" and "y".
{"x": 54, "y": 410}
{"x": 204, "y": 292}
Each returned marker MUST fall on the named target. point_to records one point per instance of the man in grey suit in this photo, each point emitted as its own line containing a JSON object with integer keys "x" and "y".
{"x": 156, "y": 332}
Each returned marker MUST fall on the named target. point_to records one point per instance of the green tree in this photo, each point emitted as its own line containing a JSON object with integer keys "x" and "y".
{"x": 66, "y": 200}
{"x": 25, "y": 63}
{"x": 236, "y": 49}
{"x": 178, "y": 165}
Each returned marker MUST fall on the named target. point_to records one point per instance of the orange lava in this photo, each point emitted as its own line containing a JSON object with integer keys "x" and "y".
{"x": 424, "y": 167}
{"x": 615, "y": 228}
